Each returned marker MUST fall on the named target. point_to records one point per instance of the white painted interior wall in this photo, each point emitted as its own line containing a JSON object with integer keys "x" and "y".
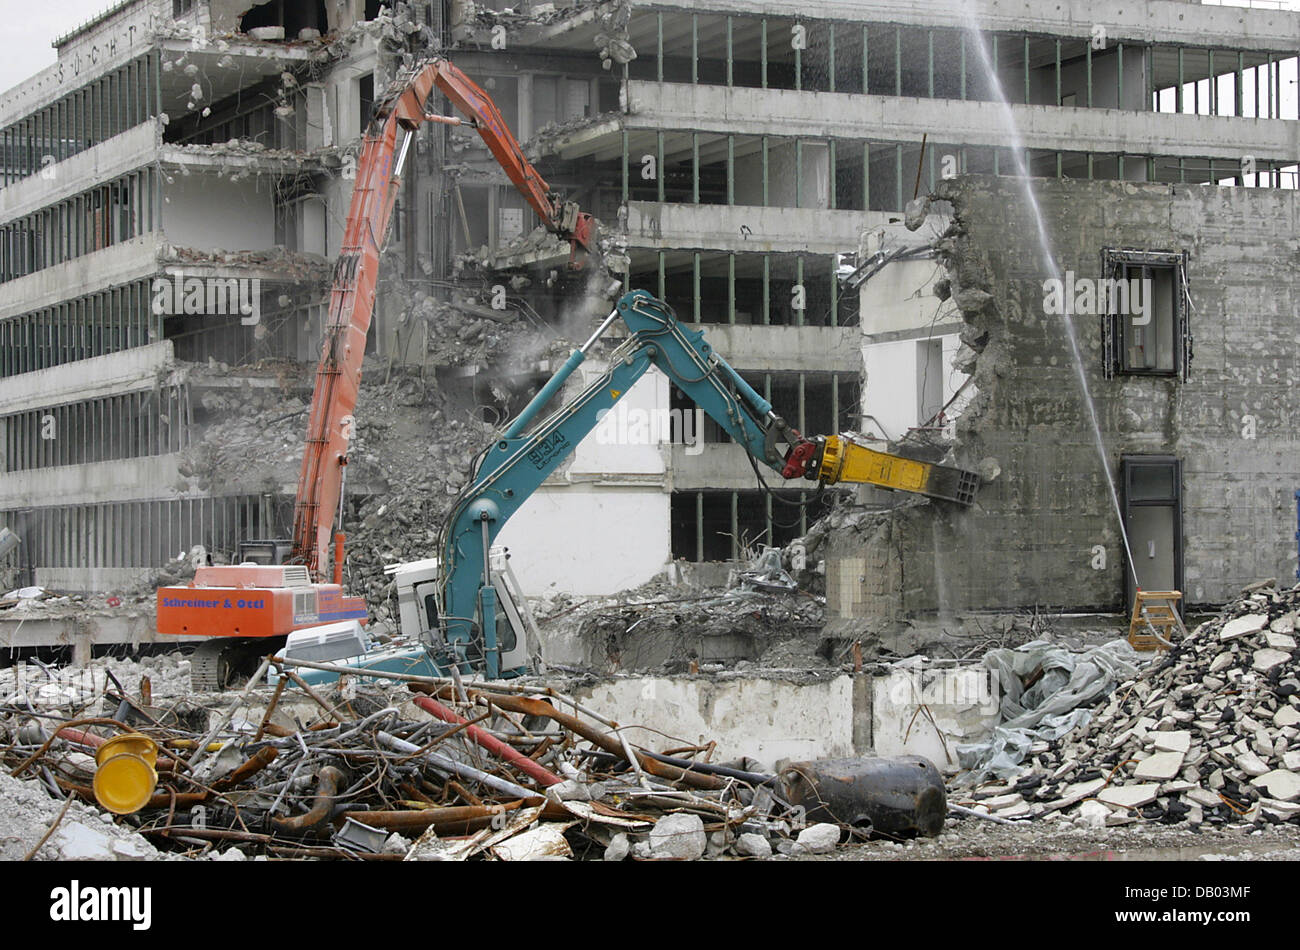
{"x": 908, "y": 380}
{"x": 211, "y": 213}
{"x": 602, "y": 523}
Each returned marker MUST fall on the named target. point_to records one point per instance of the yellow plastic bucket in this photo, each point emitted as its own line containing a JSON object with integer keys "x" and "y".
{"x": 133, "y": 742}
{"x": 125, "y": 778}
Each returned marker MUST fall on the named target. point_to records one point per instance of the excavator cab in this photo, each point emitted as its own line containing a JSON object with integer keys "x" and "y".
{"x": 417, "y": 583}
{"x": 268, "y": 551}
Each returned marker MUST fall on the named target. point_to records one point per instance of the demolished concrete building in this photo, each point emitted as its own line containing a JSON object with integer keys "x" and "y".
{"x": 750, "y": 164}
{"x": 1109, "y": 342}
{"x": 1191, "y": 392}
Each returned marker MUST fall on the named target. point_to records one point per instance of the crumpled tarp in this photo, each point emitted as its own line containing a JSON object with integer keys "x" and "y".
{"x": 1048, "y": 709}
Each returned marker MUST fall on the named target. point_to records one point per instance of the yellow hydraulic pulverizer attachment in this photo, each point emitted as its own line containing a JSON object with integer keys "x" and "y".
{"x": 841, "y": 460}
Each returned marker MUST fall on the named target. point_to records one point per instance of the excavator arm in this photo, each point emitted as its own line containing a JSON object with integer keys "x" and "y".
{"x": 338, "y": 375}
{"x": 563, "y": 218}
{"x": 528, "y": 450}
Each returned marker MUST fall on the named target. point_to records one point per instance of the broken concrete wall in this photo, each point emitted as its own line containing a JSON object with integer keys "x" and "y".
{"x": 1045, "y": 531}
{"x": 768, "y": 718}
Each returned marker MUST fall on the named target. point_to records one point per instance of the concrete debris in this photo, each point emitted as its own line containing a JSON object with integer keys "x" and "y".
{"x": 618, "y": 848}
{"x": 915, "y": 212}
{"x": 656, "y": 628}
{"x": 766, "y": 574}
{"x": 678, "y": 836}
{"x": 83, "y": 834}
{"x": 750, "y": 845}
{"x": 819, "y": 839}
{"x": 282, "y": 773}
{"x": 1203, "y": 735}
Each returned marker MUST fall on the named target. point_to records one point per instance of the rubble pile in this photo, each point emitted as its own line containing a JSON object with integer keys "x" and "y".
{"x": 1206, "y": 735}
{"x": 71, "y": 689}
{"x": 249, "y": 437}
{"x": 411, "y": 452}
{"x": 83, "y": 834}
{"x": 38, "y": 601}
{"x": 706, "y": 632}
{"x": 289, "y": 265}
{"x": 465, "y": 331}
{"x": 414, "y": 768}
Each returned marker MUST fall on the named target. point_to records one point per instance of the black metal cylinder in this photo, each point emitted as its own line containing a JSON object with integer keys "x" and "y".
{"x": 898, "y": 796}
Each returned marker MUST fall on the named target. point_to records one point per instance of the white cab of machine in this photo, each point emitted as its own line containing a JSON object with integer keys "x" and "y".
{"x": 416, "y": 583}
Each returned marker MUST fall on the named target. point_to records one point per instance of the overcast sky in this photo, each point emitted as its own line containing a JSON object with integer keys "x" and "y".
{"x": 28, "y": 26}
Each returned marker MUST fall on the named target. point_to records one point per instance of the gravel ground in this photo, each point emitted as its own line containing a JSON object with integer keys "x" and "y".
{"x": 973, "y": 839}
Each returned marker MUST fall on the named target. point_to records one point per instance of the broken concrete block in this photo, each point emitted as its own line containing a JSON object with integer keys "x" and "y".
{"x": 718, "y": 842}
{"x": 1280, "y": 641}
{"x": 1080, "y": 790}
{"x": 1162, "y": 766}
{"x": 1283, "y": 810}
{"x": 914, "y": 213}
{"x": 1094, "y": 814}
{"x": 1173, "y": 741}
{"x": 753, "y": 846}
{"x": 1286, "y": 716}
{"x": 1002, "y": 801}
{"x": 396, "y": 844}
{"x": 569, "y": 791}
{"x": 679, "y": 836}
{"x": 1129, "y": 796}
{"x": 1264, "y": 660}
{"x": 618, "y": 848}
{"x": 821, "y": 838}
{"x": 1250, "y": 763}
{"x": 1222, "y": 661}
{"x": 1241, "y": 626}
{"x": 77, "y": 842}
{"x": 1011, "y": 812}
{"x": 133, "y": 848}
{"x": 1280, "y": 784}
{"x": 1204, "y": 797}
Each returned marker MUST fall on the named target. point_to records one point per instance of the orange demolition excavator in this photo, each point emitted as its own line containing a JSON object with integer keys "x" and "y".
{"x": 278, "y": 588}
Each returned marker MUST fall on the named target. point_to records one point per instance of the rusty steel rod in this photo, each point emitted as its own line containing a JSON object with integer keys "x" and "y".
{"x": 275, "y": 701}
{"x": 610, "y": 743}
{"x": 258, "y": 761}
{"x": 328, "y": 781}
{"x": 418, "y": 819}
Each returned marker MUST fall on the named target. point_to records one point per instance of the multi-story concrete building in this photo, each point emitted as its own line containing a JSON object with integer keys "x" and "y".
{"x": 170, "y": 201}
{"x": 748, "y": 161}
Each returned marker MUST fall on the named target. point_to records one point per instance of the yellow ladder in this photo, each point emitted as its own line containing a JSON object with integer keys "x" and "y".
{"x": 1155, "y": 618}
